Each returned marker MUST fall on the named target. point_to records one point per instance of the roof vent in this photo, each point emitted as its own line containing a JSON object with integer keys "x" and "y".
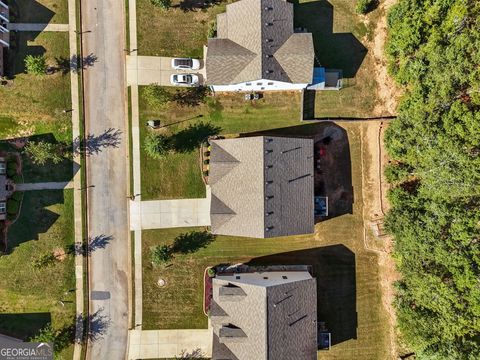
{"x": 268, "y": 228}
{"x": 268, "y": 182}
{"x": 268, "y": 40}
{"x": 268, "y": 166}
{"x": 268, "y": 24}
{"x": 268, "y": 151}
{"x": 268, "y": 8}
{"x": 268, "y": 71}
{"x": 268, "y": 197}
{"x": 268, "y": 213}
{"x": 268, "y": 56}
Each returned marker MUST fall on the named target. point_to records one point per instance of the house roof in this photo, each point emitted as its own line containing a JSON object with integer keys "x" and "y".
{"x": 255, "y": 40}
{"x": 262, "y": 186}
{"x": 273, "y": 321}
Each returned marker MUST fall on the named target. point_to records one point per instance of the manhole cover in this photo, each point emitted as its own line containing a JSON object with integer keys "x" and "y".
{"x": 161, "y": 283}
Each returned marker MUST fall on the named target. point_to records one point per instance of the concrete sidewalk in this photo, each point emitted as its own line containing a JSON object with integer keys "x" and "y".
{"x": 145, "y": 70}
{"x": 37, "y": 27}
{"x": 159, "y": 344}
{"x": 44, "y": 186}
{"x": 160, "y": 214}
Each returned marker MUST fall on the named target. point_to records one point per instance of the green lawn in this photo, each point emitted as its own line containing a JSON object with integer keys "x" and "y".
{"x": 178, "y": 175}
{"x": 176, "y": 31}
{"x": 29, "y": 297}
{"x": 40, "y": 11}
{"x": 349, "y": 292}
{"x": 340, "y": 37}
{"x": 33, "y": 105}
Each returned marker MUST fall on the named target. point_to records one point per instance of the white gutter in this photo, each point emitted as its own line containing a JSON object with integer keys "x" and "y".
{"x": 4, "y": 5}
{"x": 4, "y": 43}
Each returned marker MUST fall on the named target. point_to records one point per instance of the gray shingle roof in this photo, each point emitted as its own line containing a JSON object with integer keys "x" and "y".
{"x": 255, "y": 40}
{"x": 262, "y": 186}
{"x": 276, "y": 321}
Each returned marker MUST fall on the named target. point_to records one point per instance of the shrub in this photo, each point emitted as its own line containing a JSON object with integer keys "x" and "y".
{"x": 11, "y": 168}
{"x": 17, "y": 179}
{"x": 156, "y": 95}
{"x": 156, "y": 146}
{"x": 161, "y": 254}
{"x": 44, "y": 260}
{"x": 206, "y": 153}
{"x": 163, "y": 4}
{"x": 365, "y": 6}
{"x": 211, "y": 272}
{"x": 36, "y": 65}
{"x": 17, "y": 195}
{"x": 12, "y": 206}
{"x": 206, "y": 162}
{"x": 212, "y": 29}
{"x": 205, "y": 173}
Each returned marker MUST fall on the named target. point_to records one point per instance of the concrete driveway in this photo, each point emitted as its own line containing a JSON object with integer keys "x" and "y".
{"x": 160, "y": 214}
{"x": 156, "y": 70}
{"x": 160, "y": 344}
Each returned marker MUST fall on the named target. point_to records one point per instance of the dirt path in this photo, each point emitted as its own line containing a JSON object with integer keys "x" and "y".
{"x": 387, "y": 91}
{"x": 375, "y": 206}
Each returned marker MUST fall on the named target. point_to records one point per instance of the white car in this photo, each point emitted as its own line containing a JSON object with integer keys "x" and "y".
{"x": 185, "y": 64}
{"x": 184, "y": 79}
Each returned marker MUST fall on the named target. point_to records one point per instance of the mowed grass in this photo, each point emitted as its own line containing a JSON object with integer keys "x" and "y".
{"x": 178, "y": 175}
{"x": 176, "y": 31}
{"x": 340, "y": 39}
{"x": 33, "y": 105}
{"x": 31, "y": 98}
{"x": 40, "y": 11}
{"x": 45, "y": 224}
{"x": 347, "y": 276}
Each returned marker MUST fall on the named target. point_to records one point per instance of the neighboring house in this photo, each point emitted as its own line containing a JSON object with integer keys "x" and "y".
{"x": 256, "y": 49}
{"x": 267, "y": 315}
{"x": 262, "y": 186}
{"x": 4, "y": 34}
{"x": 3, "y": 189}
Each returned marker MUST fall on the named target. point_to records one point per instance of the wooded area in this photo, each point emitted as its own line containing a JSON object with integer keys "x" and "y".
{"x": 434, "y": 52}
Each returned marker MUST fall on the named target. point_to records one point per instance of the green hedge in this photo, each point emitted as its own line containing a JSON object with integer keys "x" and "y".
{"x": 12, "y": 206}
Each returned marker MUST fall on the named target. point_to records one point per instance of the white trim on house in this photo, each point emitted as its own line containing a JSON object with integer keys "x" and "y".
{"x": 259, "y": 85}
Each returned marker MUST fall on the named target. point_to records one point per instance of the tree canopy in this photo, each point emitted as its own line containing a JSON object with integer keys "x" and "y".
{"x": 434, "y": 52}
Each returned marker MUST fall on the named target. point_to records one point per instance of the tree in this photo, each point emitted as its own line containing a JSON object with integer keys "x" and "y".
{"x": 434, "y": 51}
{"x": 156, "y": 145}
{"x": 365, "y": 6}
{"x": 35, "y": 64}
{"x": 161, "y": 254}
{"x": 44, "y": 260}
{"x": 156, "y": 95}
{"x": 163, "y": 4}
{"x": 42, "y": 152}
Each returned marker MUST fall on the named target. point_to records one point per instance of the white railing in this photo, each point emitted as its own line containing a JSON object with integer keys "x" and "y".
{"x": 4, "y": 5}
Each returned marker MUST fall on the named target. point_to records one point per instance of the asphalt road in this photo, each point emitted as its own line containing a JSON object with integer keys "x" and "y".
{"x": 103, "y": 43}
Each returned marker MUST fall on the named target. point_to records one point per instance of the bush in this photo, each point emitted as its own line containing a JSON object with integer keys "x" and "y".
{"x": 206, "y": 153}
{"x": 11, "y": 168}
{"x": 36, "y": 65}
{"x": 205, "y": 173}
{"x": 17, "y": 195}
{"x": 161, "y": 254}
{"x": 156, "y": 146}
{"x": 212, "y": 29}
{"x": 156, "y": 95}
{"x": 163, "y": 4}
{"x": 211, "y": 272}
{"x": 12, "y": 206}
{"x": 206, "y": 162}
{"x": 44, "y": 260}
{"x": 365, "y": 6}
{"x": 42, "y": 152}
{"x": 17, "y": 179}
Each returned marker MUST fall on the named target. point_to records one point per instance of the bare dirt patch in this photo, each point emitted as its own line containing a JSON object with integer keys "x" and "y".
{"x": 387, "y": 91}
{"x": 375, "y": 187}
{"x": 59, "y": 254}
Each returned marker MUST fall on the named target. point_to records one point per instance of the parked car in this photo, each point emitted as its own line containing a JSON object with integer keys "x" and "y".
{"x": 184, "y": 79}
{"x": 185, "y": 64}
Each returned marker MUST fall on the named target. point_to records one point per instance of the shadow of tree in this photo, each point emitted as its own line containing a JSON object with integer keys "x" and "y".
{"x": 189, "y": 139}
{"x": 193, "y": 354}
{"x": 334, "y": 268}
{"x": 191, "y": 242}
{"x": 92, "y": 144}
{"x": 95, "y": 326}
{"x": 95, "y": 243}
{"x": 193, "y": 96}
{"x": 332, "y": 50}
{"x": 193, "y": 5}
